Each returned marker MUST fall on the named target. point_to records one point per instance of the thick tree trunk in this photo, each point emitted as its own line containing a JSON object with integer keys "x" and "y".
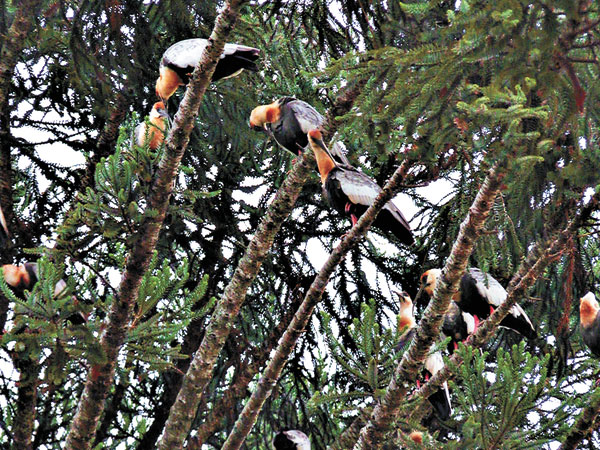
{"x": 100, "y": 377}
{"x": 271, "y": 374}
{"x": 385, "y": 413}
{"x": 587, "y": 422}
{"x": 24, "y": 419}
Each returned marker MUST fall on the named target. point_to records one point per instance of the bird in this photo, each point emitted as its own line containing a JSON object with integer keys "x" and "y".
{"x": 479, "y": 294}
{"x": 155, "y": 133}
{"x": 351, "y": 192}
{"x": 288, "y": 120}
{"x": 457, "y": 326}
{"x": 180, "y": 59}
{"x": 440, "y": 400}
{"x": 590, "y": 322}
{"x": 25, "y": 276}
{"x": 4, "y": 234}
{"x": 291, "y": 440}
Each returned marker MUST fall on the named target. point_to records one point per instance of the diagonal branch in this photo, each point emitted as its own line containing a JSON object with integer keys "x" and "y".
{"x": 584, "y": 426}
{"x": 285, "y": 347}
{"x": 384, "y": 414}
{"x": 100, "y": 376}
{"x": 200, "y": 372}
{"x": 539, "y": 257}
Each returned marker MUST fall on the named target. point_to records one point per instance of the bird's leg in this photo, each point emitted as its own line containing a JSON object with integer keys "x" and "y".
{"x": 418, "y": 384}
{"x": 354, "y": 219}
{"x": 491, "y": 310}
{"x": 456, "y": 345}
{"x": 427, "y": 377}
{"x": 476, "y": 320}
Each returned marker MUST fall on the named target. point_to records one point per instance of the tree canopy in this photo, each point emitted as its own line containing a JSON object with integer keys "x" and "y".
{"x": 224, "y": 299}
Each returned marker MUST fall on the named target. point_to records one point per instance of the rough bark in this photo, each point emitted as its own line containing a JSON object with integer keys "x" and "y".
{"x": 538, "y": 258}
{"x": 224, "y": 407}
{"x": 24, "y": 419}
{"x": 13, "y": 44}
{"x": 384, "y": 414}
{"x": 100, "y": 377}
{"x": 271, "y": 374}
{"x": 352, "y": 432}
{"x": 218, "y": 330}
{"x": 584, "y": 426}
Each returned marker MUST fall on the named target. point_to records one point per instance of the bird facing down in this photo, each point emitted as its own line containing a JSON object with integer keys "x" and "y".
{"x": 479, "y": 294}
{"x": 291, "y": 440}
{"x": 4, "y": 234}
{"x": 351, "y": 192}
{"x": 288, "y": 120}
{"x": 155, "y": 133}
{"x": 440, "y": 400}
{"x": 457, "y": 326}
{"x": 590, "y": 322}
{"x": 25, "y": 276}
{"x": 180, "y": 59}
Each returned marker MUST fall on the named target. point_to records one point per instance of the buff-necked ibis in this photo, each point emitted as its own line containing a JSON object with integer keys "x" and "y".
{"x": 25, "y": 276}
{"x": 154, "y": 132}
{"x": 590, "y": 322}
{"x": 479, "y": 294}
{"x": 457, "y": 326}
{"x": 440, "y": 400}
{"x": 288, "y": 120}
{"x": 291, "y": 440}
{"x": 180, "y": 59}
{"x": 351, "y": 192}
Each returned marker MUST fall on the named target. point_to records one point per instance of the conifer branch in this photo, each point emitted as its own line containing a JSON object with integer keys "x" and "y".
{"x": 226, "y": 311}
{"x": 539, "y": 257}
{"x": 584, "y": 426}
{"x": 385, "y": 413}
{"x": 100, "y": 376}
{"x": 273, "y": 371}
{"x": 350, "y": 435}
{"x": 12, "y": 44}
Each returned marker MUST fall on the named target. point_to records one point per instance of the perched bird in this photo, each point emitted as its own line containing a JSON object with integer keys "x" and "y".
{"x": 291, "y": 440}
{"x": 25, "y": 276}
{"x": 351, "y": 192}
{"x": 457, "y": 326}
{"x": 288, "y": 120}
{"x": 180, "y": 60}
{"x": 440, "y": 400}
{"x": 478, "y": 294}
{"x": 155, "y": 133}
{"x": 4, "y": 234}
{"x": 590, "y": 322}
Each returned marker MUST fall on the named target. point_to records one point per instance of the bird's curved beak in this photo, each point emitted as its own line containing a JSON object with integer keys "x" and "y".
{"x": 163, "y": 113}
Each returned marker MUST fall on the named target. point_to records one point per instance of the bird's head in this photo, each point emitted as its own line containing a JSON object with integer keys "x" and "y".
{"x": 159, "y": 110}
{"x": 324, "y": 159}
{"x": 588, "y": 309}
{"x": 16, "y": 276}
{"x": 167, "y": 83}
{"x": 406, "y": 316}
{"x": 429, "y": 280}
{"x": 264, "y": 114}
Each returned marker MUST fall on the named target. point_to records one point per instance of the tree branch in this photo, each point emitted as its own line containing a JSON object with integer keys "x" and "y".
{"x": 584, "y": 425}
{"x": 271, "y": 374}
{"x": 227, "y": 309}
{"x": 384, "y": 414}
{"x": 539, "y": 257}
{"x": 100, "y": 376}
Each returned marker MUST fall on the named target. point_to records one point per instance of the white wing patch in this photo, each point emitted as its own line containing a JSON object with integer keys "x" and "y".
{"x": 493, "y": 291}
{"x": 187, "y": 53}
{"x": 298, "y": 438}
{"x": 470, "y": 321}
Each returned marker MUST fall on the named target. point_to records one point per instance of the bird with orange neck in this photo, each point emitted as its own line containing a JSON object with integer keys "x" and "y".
{"x": 590, "y": 322}
{"x": 351, "y": 192}
{"x": 153, "y": 132}
{"x": 440, "y": 400}
{"x": 180, "y": 59}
